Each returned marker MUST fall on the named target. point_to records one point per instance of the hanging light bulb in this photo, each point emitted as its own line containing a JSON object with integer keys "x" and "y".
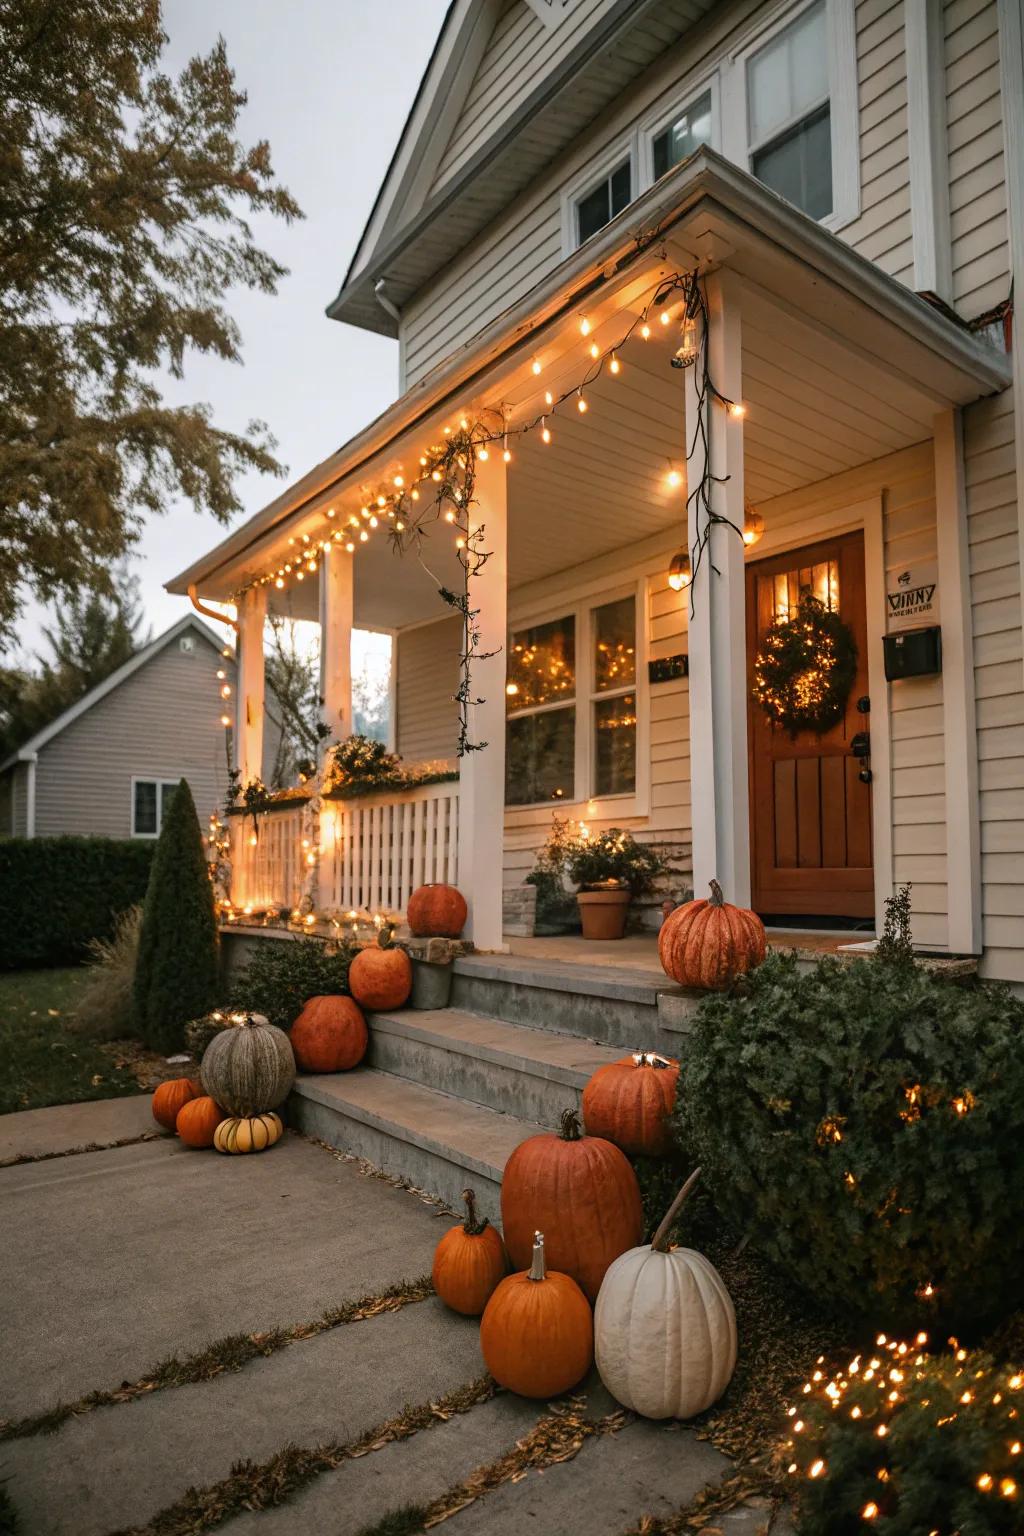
{"x": 737, "y": 408}
{"x": 363, "y": 536}
{"x": 645, "y": 331}
{"x": 482, "y": 454}
{"x": 545, "y": 430}
{"x": 506, "y": 451}
{"x": 753, "y": 526}
{"x": 614, "y": 365}
{"x": 665, "y": 317}
{"x": 674, "y": 478}
{"x": 279, "y": 583}
{"x": 581, "y": 403}
{"x": 399, "y": 481}
{"x": 687, "y": 348}
{"x": 549, "y": 398}
{"x": 679, "y": 574}
{"x": 536, "y": 365}
{"x": 595, "y": 350}
{"x": 584, "y": 326}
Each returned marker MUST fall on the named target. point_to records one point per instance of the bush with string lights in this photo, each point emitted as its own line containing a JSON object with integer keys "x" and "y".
{"x": 864, "y": 1124}
{"x": 909, "y": 1444}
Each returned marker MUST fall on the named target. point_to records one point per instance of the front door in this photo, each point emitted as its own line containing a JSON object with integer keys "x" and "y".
{"x": 810, "y": 812}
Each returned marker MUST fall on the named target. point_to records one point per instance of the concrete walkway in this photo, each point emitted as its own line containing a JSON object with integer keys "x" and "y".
{"x": 117, "y": 1259}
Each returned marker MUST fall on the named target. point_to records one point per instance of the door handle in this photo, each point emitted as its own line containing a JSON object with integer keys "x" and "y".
{"x": 860, "y": 745}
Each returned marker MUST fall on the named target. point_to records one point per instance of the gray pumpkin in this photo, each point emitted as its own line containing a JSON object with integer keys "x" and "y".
{"x": 248, "y": 1068}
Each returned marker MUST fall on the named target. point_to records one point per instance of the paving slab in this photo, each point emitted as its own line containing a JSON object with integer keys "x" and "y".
{"x": 415, "y": 1471}
{"x": 115, "y": 1260}
{"x": 65, "y": 1127}
{"x": 118, "y": 1466}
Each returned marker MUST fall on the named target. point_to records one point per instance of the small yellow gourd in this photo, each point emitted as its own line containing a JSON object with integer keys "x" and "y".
{"x": 248, "y": 1133}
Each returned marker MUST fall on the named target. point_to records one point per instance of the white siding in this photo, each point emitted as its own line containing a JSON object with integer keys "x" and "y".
{"x": 161, "y": 722}
{"x": 882, "y": 232}
{"x": 977, "y": 180}
{"x": 999, "y": 678}
{"x": 427, "y": 663}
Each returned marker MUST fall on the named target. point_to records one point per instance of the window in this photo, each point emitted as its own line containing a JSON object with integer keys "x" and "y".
{"x": 789, "y": 116}
{"x": 571, "y": 705}
{"x": 603, "y": 200}
{"x": 687, "y": 131}
{"x": 150, "y": 801}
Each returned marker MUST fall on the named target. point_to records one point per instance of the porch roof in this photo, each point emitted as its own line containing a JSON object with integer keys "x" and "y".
{"x": 819, "y": 312}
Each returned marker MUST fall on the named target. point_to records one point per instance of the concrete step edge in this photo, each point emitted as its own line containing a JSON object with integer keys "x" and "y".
{"x": 612, "y": 982}
{"x": 513, "y": 1054}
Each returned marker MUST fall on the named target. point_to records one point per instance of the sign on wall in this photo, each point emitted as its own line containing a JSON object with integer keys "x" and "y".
{"x": 912, "y": 596}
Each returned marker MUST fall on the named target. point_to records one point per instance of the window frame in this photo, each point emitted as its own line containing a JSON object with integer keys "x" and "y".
{"x": 623, "y": 148}
{"x": 844, "y": 111}
{"x": 628, "y": 803}
{"x": 663, "y": 114}
{"x": 161, "y": 783}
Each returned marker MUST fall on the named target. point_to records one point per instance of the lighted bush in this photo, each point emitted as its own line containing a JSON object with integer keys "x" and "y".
{"x": 283, "y": 974}
{"x": 864, "y": 1123}
{"x": 909, "y": 1444}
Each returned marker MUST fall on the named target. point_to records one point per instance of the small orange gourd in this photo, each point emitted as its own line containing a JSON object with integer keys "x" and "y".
{"x": 469, "y": 1262}
{"x": 169, "y": 1097}
{"x": 537, "y": 1332}
{"x": 329, "y": 1035}
{"x": 709, "y": 943}
{"x": 198, "y": 1120}
{"x": 380, "y": 977}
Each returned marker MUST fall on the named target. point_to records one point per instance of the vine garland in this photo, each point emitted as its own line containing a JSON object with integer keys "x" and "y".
{"x": 805, "y": 668}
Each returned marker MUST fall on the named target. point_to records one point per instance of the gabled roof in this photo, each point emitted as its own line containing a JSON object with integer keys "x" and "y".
{"x": 27, "y": 752}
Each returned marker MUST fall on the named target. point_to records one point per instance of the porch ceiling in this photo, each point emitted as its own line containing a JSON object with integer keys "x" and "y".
{"x": 841, "y": 365}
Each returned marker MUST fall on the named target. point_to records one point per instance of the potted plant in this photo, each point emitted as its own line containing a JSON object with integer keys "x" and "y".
{"x": 610, "y": 868}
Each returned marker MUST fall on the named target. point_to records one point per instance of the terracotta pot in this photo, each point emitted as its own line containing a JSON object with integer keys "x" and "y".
{"x": 603, "y": 913}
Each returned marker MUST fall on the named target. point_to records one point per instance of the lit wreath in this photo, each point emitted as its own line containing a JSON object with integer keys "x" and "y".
{"x": 805, "y": 669}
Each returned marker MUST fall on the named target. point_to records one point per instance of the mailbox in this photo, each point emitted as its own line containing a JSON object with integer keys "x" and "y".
{"x": 913, "y": 653}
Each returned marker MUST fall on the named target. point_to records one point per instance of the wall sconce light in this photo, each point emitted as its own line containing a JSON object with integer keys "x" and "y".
{"x": 753, "y": 526}
{"x": 679, "y": 574}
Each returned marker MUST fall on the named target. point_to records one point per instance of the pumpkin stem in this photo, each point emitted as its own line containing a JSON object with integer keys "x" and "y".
{"x": 538, "y": 1269}
{"x": 659, "y": 1243}
{"x": 570, "y": 1125}
{"x": 386, "y": 936}
{"x": 717, "y": 898}
{"x": 650, "y": 1059}
{"x": 473, "y": 1224}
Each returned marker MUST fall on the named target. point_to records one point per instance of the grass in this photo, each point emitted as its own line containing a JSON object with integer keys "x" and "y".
{"x": 41, "y": 1063}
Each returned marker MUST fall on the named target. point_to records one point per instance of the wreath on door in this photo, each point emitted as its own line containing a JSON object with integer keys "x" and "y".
{"x": 805, "y": 668}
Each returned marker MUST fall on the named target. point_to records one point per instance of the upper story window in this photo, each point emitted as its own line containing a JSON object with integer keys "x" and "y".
{"x": 602, "y": 200}
{"x": 150, "y": 801}
{"x": 687, "y": 131}
{"x": 789, "y": 113}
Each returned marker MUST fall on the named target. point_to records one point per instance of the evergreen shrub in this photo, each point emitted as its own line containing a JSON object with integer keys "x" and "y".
{"x": 176, "y": 974}
{"x": 59, "y": 894}
{"x": 864, "y": 1123}
{"x": 284, "y": 973}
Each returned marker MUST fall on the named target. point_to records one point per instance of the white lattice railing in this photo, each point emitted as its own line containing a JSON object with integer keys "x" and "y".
{"x": 375, "y": 852}
{"x": 270, "y": 871}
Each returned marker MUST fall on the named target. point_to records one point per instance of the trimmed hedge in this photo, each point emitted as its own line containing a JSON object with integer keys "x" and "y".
{"x": 58, "y": 894}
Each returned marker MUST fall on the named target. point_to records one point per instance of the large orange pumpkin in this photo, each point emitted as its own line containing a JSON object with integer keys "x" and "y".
{"x": 437, "y": 912}
{"x": 380, "y": 977}
{"x": 329, "y": 1035}
{"x": 169, "y": 1097}
{"x": 198, "y": 1120}
{"x": 469, "y": 1262}
{"x": 627, "y": 1102}
{"x": 537, "y": 1334}
{"x": 579, "y": 1189}
{"x": 709, "y": 943}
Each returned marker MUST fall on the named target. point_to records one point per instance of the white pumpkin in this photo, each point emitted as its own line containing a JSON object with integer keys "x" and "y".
{"x": 664, "y": 1328}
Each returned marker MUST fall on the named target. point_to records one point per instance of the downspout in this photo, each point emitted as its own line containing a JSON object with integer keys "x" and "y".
{"x": 30, "y": 794}
{"x": 209, "y": 613}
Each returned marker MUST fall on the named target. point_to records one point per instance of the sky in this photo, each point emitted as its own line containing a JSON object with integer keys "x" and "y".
{"x": 329, "y": 83}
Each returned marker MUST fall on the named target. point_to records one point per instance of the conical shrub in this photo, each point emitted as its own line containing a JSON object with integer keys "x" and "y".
{"x": 176, "y": 974}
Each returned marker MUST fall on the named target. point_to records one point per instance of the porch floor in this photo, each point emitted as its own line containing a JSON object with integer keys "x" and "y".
{"x": 639, "y": 951}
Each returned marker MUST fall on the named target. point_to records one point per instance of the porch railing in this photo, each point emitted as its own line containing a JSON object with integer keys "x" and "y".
{"x": 374, "y": 852}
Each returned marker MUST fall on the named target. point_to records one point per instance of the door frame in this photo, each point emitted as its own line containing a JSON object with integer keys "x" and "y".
{"x": 868, "y": 516}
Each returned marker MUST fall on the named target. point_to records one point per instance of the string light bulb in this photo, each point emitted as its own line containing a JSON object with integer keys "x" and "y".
{"x": 506, "y": 451}
{"x": 679, "y": 572}
{"x": 545, "y": 430}
{"x": 674, "y": 479}
{"x": 536, "y": 365}
{"x": 581, "y": 403}
{"x": 595, "y": 350}
{"x": 584, "y": 326}
{"x": 645, "y": 332}
{"x": 753, "y": 526}
{"x": 737, "y": 408}
{"x": 614, "y": 366}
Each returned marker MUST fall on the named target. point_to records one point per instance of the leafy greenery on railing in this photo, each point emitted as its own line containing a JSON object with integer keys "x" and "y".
{"x": 360, "y": 766}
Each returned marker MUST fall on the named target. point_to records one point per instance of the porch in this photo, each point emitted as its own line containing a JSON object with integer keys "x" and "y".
{"x": 656, "y": 486}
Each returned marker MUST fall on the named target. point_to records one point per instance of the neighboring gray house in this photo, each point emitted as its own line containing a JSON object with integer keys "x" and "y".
{"x": 104, "y": 766}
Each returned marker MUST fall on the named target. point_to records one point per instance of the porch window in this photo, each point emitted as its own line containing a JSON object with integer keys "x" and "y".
{"x": 789, "y": 113}
{"x": 686, "y": 133}
{"x": 540, "y": 749}
{"x": 151, "y": 799}
{"x": 600, "y": 203}
{"x": 613, "y": 701}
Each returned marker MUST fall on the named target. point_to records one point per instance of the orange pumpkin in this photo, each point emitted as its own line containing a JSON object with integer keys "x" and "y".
{"x": 709, "y": 943}
{"x": 537, "y": 1333}
{"x": 169, "y": 1098}
{"x": 627, "y": 1102}
{"x": 469, "y": 1261}
{"x": 582, "y": 1191}
{"x": 380, "y": 977}
{"x": 198, "y": 1120}
{"x": 329, "y": 1035}
{"x": 437, "y": 912}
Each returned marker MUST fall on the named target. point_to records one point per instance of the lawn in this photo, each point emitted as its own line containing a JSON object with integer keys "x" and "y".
{"x": 41, "y": 1061}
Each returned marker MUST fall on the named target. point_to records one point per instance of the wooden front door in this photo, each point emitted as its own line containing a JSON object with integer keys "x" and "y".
{"x": 810, "y": 813}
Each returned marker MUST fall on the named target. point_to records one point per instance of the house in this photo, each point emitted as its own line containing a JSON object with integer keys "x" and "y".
{"x": 106, "y": 765}
{"x": 717, "y": 297}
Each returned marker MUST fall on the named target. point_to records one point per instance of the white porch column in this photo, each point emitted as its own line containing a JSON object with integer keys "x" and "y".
{"x": 337, "y": 583}
{"x": 252, "y": 610}
{"x": 963, "y": 826}
{"x": 482, "y": 774}
{"x": 718, "y": 650}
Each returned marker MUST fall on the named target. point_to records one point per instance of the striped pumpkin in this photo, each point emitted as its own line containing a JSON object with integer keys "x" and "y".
{"x": 248, "y": 1133}
{"x": 250, "y": 1067}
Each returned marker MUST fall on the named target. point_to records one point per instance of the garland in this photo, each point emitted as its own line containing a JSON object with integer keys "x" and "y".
{"x": 805, "y": 669}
